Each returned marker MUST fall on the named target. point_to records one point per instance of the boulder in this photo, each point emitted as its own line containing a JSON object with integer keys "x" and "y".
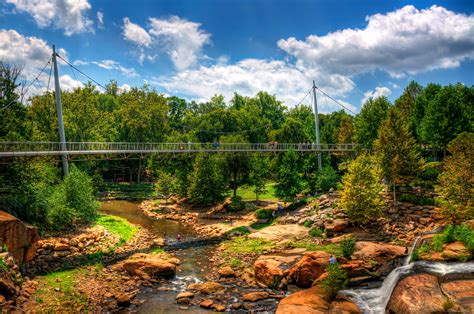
{"x": 268, "y": 272}
{"x": 7, "y": 286}
{"x": 419, "y": 293}
{"x": 310, "y": 301}
{"x": 226, "y": 271}
{"x": 462, "y": 291}
{"x": 455, "y": 251}
{"x": 343, "y": 306}
{"x": 281, "y": 233}
{"x": 149, "y": 265}
{"x": 20, "y": 239}
{"x": 207, "y": 287}
{"x": 255, "y": 296}
{"x": 338, "y": 225}
{"x": 377, "y": 251}
{"x": 309, "y": 268}
{"x": 206, "y": 303}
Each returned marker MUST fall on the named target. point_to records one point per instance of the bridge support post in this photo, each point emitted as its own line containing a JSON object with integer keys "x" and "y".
{"x": 59, "y": 109}
{"x": 316, "y": 122}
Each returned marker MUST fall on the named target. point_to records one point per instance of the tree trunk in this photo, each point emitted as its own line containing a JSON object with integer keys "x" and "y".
{"x": 394, "y": 193}
{"x": 139, "y": 170}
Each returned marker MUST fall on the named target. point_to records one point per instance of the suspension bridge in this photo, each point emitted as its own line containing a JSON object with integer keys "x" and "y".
{"x": 31, "y": 149}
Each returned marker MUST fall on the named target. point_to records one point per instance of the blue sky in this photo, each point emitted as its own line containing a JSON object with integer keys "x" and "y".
{"x": 196, "y": 49}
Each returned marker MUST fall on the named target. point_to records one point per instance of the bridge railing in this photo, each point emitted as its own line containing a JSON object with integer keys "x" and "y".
{"x": 130, "y": 147}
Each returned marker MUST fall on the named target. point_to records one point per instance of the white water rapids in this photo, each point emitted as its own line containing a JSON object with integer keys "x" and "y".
{"x": 374, "y": 301}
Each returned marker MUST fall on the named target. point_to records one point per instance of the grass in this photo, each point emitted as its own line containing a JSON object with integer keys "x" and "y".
{"x": 258, "y": 226}
{"x": 247, "y": 245}
{"x": 247, "y": 193}
{"x": 56, "y": 288}
{"x": 128, "y": 190}
{"x": 332, "y": 249}
{"x": 316, "y": 233}
{"x": 118, "y": 226}
{"x": 157, "y": 250}
{"x": 241, "y": 230}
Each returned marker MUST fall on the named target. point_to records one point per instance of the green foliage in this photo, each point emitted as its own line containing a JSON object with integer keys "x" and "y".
{"x": 166, "y": 185}
{"x": 236, "y": 262}
{"x": 242, "y": 230}
{"x": 348, "y": 246}
{"x": 456, "y": 183}
{"x": 336, "y": 280}
{"x": 307, "y": 223}
{"x": 263, "y": 213}
{"x": 417, "y": 200}
{"x": 236, "y": 204}
{"x": 247, "y": 245}
{"x": 207, "y": 182}
{"x": 361, "y": 198}
{"x": 289, "y": 181}
{"x": 327, "y": 179}
{"x": 259, "y": 172}
{"x": 331, "y": 248}
{"x": 118, "y": 226}
{"x": 368, "y": 121}
{"x": 316, "y": 233}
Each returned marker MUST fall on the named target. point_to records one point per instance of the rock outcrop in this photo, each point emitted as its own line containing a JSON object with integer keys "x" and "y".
{"x": 309, "y": 268}
{"x": 268, "y": 272}
{"x": 310, "y": 301}
{"x": 149, "y": 265}
{"x": 20, "y": 238}
{"x": 461, "y": 291}
{"x": 378, "y": 251}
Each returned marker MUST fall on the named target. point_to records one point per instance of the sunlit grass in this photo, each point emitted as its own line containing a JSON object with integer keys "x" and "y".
{"x": 247, "y": 193}
{"x": 118, "y": 226}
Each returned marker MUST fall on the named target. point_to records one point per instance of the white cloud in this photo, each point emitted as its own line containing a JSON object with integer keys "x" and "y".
{"x": 124, "y": 88}
{"x": 378, "y": 92}
{"x": 248, "y": 77}
{"x": 71, "y": 16}
{"x": 100, "y": 18}
{"x": 135, "y": 33}
{"x": 114, "y": 65}
{"x": 68, "y": 83}
{"x": 407, "y": 40}
{"x": 181, "y": 39}
{"x": 80, "y": 62}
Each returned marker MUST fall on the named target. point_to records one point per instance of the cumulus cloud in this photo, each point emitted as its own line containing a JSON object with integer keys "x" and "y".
{"x": 247, "y": 77}
{"x": 181, "y": 39}
{"x": 378, "y": 92}
{"x": 124, "y": 88}
{"x": 100, "y": 18}
{"x": 114, "y": 65}
{"x": 68, "y": 83}
{"x": 404, "y": 41}
{"x": 71, "y": 16}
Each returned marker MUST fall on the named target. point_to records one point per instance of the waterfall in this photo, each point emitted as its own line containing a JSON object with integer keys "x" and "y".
{"x": 375, "y": 301}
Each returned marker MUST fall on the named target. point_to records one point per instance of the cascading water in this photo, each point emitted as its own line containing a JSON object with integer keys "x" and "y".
{"x": 376, "y": 300}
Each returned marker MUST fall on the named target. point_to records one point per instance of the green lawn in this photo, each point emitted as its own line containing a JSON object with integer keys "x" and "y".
{"x": 247, "y": 193}
{"x": 125, "y": 190}
{"x": 118, "y": 226}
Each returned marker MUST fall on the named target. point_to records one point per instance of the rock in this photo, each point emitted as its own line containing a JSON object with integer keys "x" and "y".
{"x": 2, "y": 299}
{"x": 343, "y": 306}
{"x": 309, "y": 268}
{"x": 206, "y": 303}
{"x": 419, "y": 293}
{"x": 281, "y": 233}
{"x": 255, "y": 296}
{"x": 183, "y": 300}
{"x": 455, "y": 251}
{"x": 146, "y": 265}
{"x": 207, "y": 287}
{"x": 218, "y": 307}
{"x": 462, "y": 291}
{"x": 20, "y": 239}
{"x": 338, "y": 225}
{"x": 376, "y": 251}
{"x": 124, "y": 299}
{"x": 186, "y": 294}
{"x": 268, "y": 272}
{"x": 310, "y": 301}
{"x": 226, "y": 271}
{"x": 236, "y": 306}
{"x": 61, "y": 246}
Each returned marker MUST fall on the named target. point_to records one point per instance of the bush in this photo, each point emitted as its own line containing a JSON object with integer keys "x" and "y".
{"x": 307, "y": 223}
{"x": 336, "y": 280}
{"x": 166, "y": 185}
{"x": 348, "y": 246}
{"x": 236, "y": 204}
{"x": 316, "y": 233}
{"x": 327, "y": 179}
{"x": 417, "y": 200}
{"x": 263, "y": 213}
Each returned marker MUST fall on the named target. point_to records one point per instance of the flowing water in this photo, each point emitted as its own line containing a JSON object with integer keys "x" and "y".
{"x": 375, "y": 300}
{"x": 194, "y": 261}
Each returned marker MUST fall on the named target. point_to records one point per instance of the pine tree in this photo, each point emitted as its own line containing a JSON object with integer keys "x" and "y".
{"x": 207, "y": 181}
{"x": 259, "y": 173}
{"x": 397, "y": 150}
{"x": 361, "y": 198}
{"x": 289, "y": 180}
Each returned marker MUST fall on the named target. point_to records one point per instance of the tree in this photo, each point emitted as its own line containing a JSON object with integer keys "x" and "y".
{"x": 327, "y": 178}
{"x": 207, "y": 181}
{"x": 397, "y": 150}
{"x": 368, "y": 121}
{"x": 292, "y": 131}
{"x": 361, "y": 197}
{"x": 336, "y": 280}
{"x": 289, "y": 180}
{"x": 456, "y": 182}
{"x": 236, "y": 164}
{"x": 259, "y": 172}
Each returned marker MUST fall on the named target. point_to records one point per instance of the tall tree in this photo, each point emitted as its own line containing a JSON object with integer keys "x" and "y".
{"x": 361, "y": 197}
{"x": 368, "y": 121}
{"x": 237, "y": 164}
{"x": 396, "y": 149}
{"x": 456, "y": 182}
{"x": 259, "y": 173}
{"x": 289, "y": 180}
{"x": 207, "y": 180}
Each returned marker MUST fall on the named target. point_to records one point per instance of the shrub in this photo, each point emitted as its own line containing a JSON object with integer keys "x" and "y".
{"x": 307, "y": 223}
{"x": 417, "y": 200}
{"x": 336, "y": 280}
{"x": 236, "y": 204}
{"x": 316, "y": 232}
{"x": 327, "y": 179}
{"x": 166, "y": 185}
{"x": 348, "y": 246}
{"x": 263, "y": 213}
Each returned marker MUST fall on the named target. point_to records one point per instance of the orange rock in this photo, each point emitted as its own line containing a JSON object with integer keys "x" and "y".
{"x": 268, "y": 272}
{"x": 146, "y": 265}
{"x": 206, "y": 303}
{"x": 255, "y": 296}
{"x": 419, "y": 293}
{"x": 207, "y": 287}
{"x": 309, "y": 268}
{"x": 378, "y": 251}
{"x": 463, "y": 292}
{"x": 343, "y": 306}
{"x": 20, "y": 239}
{"x": 310, "y": 301}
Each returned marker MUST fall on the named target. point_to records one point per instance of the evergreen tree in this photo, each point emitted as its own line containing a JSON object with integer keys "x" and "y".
{"x": 368, "y": 121}
{"x": 289, "y": 180}
{"x": 397, "y": 149}
{"x": 361, "y": 197}
{"x": 456, "y": 182}
{"x": 207, "y": 181}
{"x": 259, "y": 172}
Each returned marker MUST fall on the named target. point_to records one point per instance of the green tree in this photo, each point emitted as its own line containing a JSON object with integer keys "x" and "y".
{"x": 236, "y": 164}
{"x": 336, "y": 280}
{"x": 361, "y": 197}
{"x": 397, "y": 150}
{"x": 456, "y": 182}
{"x": 259, "y": 172}
{"x": 327, "y": 178}
{"x": 289, "y": 180}
{"x": 207, "y": 182}
{"x": 368, "y": 121}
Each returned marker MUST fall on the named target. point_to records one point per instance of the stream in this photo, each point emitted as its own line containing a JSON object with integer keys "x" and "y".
{"x": 194, "y": 265}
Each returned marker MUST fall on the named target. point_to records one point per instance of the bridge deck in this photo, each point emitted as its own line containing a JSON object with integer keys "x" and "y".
{"x": 28, "y": 149}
